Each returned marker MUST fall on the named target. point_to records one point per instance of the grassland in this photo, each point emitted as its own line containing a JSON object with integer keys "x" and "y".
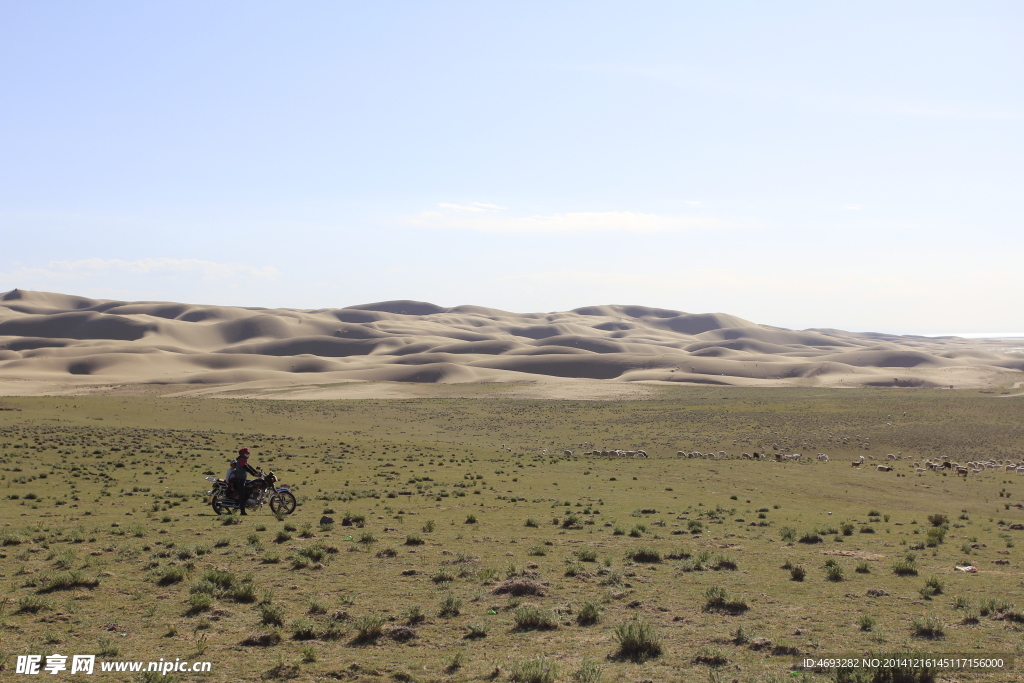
{"x": 462, "y": 560}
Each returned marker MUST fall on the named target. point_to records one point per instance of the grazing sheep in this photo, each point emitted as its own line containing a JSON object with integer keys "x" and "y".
{"x": 858, "y": 463}
{"x": 890, "y": 456}
{"x": 920, "y": 469}
{"x": 681, "y": 454}
{"x": 822, "y": 457}
{"x": 567, "y": 453}
{"x": 883, "y": 468}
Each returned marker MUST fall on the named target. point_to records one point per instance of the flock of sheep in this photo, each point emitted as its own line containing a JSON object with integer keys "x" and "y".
{"x": 614, "y": 453}
{"x": 937, "y": 465}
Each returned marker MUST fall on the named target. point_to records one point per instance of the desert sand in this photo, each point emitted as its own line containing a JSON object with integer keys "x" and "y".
{"x": 57, "y": 343}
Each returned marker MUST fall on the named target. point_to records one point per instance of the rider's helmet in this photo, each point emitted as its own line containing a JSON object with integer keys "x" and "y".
{"x": 243, "y": 453}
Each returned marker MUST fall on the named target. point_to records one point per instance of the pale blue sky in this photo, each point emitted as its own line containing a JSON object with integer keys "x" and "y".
{"x": 804, "y": 164}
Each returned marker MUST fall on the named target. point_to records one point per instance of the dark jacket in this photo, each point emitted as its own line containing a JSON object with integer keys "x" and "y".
{"x": 238, "y": 470}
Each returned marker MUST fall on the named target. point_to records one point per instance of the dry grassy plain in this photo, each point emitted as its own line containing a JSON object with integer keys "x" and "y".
{"x": 108, "y": 548}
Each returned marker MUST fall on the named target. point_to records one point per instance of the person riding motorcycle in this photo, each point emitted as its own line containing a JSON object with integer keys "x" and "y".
{"x": 237, "y": 471}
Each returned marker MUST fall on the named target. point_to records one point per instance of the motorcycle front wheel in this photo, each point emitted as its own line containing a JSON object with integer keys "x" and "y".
{"x": 282, "y": 503}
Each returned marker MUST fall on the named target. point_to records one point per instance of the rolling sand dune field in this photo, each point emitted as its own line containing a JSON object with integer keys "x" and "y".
{"x": 52, "y": 343}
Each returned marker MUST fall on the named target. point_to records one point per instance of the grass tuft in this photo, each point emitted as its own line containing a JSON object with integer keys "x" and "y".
{"x": 638, "y": 641}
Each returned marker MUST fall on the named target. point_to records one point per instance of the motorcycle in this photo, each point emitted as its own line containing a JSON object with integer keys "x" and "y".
{"x": 282, "y": 500}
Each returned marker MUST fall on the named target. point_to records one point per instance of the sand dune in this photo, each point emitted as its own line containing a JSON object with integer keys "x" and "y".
{"x": 51, "y": 339}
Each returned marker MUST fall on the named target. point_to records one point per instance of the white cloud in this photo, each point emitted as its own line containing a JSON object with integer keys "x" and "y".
{"x": 852, "y": 207}
{"x": 487, "y": 218}
{"x": 93, "y": 267}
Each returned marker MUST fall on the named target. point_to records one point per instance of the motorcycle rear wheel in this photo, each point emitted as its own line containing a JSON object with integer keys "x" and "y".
{"x": 282, "y": 503}
{"x": 222, "y": 509}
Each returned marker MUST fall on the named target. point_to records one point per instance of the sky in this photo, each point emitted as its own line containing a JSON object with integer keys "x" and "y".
{"x": 854, "y": 165}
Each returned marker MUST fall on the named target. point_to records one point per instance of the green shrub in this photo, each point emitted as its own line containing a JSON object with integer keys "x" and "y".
{"x": 725, "y": 562}
{"x": 443, "y": 575}
{"x": 172, "y": 575}
{"x": 711, "y": 656}
{"x": 834, "y": 573}
{"x": 532, "y": 618}
{"x": 199, "y": 602}
{"x": 451, "y": 606}
{"x": 865, "y": 623}
{"x": 589, "y": 672}
{"x": 929, "y": 627}
{"x": 303, "y": 629}
{"x": 244, "y": 591}
{"x": 537, "y": 670}
{"x": 474, "y": 631}
{"x": 414, "y": 615}
{"x": 368, "y": 628}
{"x": 797, "y": 573}
{"x": 589, "y": 614}
{"x": 271, "y": 615}
{"x": 935, "y": 536}
{"x": 905, "y": 568}
{"x": 993, "y": 606}
{"x": 717, "y": 599}
{"x": 637, "y": 641}
{"x": 65, "y": 581}
{"x": 33, "y": 604}
{"x": 644, "y": 554}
